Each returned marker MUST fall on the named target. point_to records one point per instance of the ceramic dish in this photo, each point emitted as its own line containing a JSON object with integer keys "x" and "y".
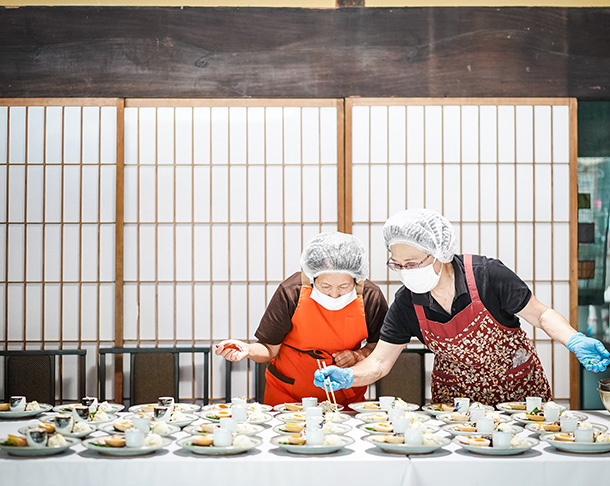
{"x": 406, "y": 448}
{"x": 453, "y": 430}
{"x": 109, "y": 429}
{"x": 576, "y": 447}
{"x": 252, "y": 407}
{"x": 537, "y": 428}
{"x": 92, "y": 423}
{"x": 9, "y": 414}
{"x": 188, "y": 419}
{"x": 505, "y": 407}
{"x": 520, "y": 417}
{"x": 68, "y": 407}
{"x": 179, "y": 407}
{"x": 299, "y": 417}
{"x": 448, "y": 419}
{"x": 496, "y": 451}
{"x": 39, "y": 451}
{"x": 243, "y": 428}
{"x": 431, "y": 409}
{"x": 341, "y": 442}
{"x": 364, "y": 407}
{"x": 187, "y": 443}
{"x": 256, "y": 418}
{"x": 94, "y": 445}
{"x": 329, "y": 428}
{"x": 77, "y": 435}
{"x": 372, "y": 417}
{"x": 369, "y": 428}
{"x": 282, "y": 407}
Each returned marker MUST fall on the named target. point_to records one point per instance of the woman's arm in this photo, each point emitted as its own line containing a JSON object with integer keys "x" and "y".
{"x": 547, "y": 319}
{"x": 377, "y": 364}
{"x": 349, "y": 357}
{"x": 259, "y": 352}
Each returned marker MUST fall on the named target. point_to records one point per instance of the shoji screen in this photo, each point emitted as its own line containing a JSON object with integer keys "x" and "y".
{"x": 57, "y": 229}
{"x": 503, "y": 171}
{"x": 220, "y": 196}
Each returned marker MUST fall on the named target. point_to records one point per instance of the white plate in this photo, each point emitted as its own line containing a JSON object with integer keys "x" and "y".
{"x": 44, "y": 407}
{"x": 431, "y": 411}
{"x": 373, "y": 406}
{"x": 242, "y": 429}
{"x": 251, "y": 407}
{"x": 180, "y": 407}
{"x": 188, "y": 419}
{"x": 537, "y": 429}
{"x": 520, "y": 417}
{"x": 42, "y": 451}
{"x": 315, "y": 449}
{"x": 579, "y": 447}
{"x": 372, "y": 417}
{"x": 79, "y": 435}
{"x": 260, "y": 418}
{"x": 109, "y": 429}
{"x": 338, "y": 429}
{"x": 368, "y": 428}
{"x": 406, "y": 448}
{"x": 446, "y": 417}
{"x": 68, "y": 407}
{"x": 299, "y": 417}
{"x": 495, "y": 451}
{"x": 123, "y": 451}
{"x": 452, "y": 429}
{"x": 505, "y": 408}
{"x": 282, "y": 407}
{"x": 111, "y": 417}
{"x": 186, "y": 443}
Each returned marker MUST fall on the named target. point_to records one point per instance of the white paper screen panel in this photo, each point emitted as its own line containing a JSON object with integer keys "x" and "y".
{"x": 219, "y": 199}
{"x": 498, "y": 172}
{"x": 57, "y": 230}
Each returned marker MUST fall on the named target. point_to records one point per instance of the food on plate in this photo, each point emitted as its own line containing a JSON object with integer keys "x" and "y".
{"x": 246, "y": 428}
{"x": 105, "y": 407}
{"x": 519, "y": 442}
{"x": 80, "y": 427}
{"x": 377, "y": 417}
{"x": 122, "y": 425}
{"x": 56, "y": 440}
{"x": 516, "y": 405}
{"x": 291, "y": 407}
{"x": 297, "y": 439}
{"x": 292, "y": 427}
{"x": 429, "y": 439}
{"x": 32, "y": 406}
{"x": 467, "y": 427}
{"x": 5, "y": 407}
{"x": 442, "y": 407}
{"x": 178, "y": 416}
{"x": 153, "y": 440}
{"x": 331, "y": 428}
{"x": 551, "y": 404}
{"x": 393, "y": 439}
{"x": 203, "y": 440}
{"x": 221, "y": 413}
{"x": 332, "y": 440}
{"x": 159, "y": 427}
{"x": 536, "y": 415}
{"x": 371, "y": 406}
{"x": 383, "y": 427}
{"x": 113, "y": 441}
{"x": 459, "y": 417}
{"x": 476, "y": 441}
{"x": 299, "y": 417}
{"x": 100, "y": 416}
{"x": 327, "y": 406}
{"x": 333, "y": 417}
{"x": 15, "y": 441}
{"x": 242, "y": 441}
{"x": 565, "y": 437}
{"x": 208, "y": 428}
{"x": 503, "y": 427}
{"x": 602, "y": 437}
{"x": 553, "y": 427}
{"x": 50, "y": 428}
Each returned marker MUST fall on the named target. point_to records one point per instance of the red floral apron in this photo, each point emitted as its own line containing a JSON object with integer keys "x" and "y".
{"x": 316, "y": 333}
{"x": 477, "y": 357}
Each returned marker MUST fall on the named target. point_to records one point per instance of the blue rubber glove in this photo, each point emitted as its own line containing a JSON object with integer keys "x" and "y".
{"x": 590, "y": 352}
{"x": 339, "y": 377}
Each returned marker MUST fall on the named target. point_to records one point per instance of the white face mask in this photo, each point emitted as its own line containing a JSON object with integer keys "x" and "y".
{"x": 331, "y": 303}
{"x": 420, "y": 280}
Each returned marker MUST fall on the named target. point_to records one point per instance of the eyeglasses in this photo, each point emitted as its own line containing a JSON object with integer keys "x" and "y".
{"x": 392, "y": 265}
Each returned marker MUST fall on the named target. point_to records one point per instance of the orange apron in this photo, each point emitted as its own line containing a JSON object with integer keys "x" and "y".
{"x": 316, "y": 333}
{"x": 477, "y": 357}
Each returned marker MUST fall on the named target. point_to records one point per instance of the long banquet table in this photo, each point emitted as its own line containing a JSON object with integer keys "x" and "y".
{"x": 358, "y": 464}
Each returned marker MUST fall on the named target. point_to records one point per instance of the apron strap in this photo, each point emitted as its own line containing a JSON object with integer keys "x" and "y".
{"x": 314, "y": 353}
{"x": 305, "y": 282}
{"x": 472, "y": 285}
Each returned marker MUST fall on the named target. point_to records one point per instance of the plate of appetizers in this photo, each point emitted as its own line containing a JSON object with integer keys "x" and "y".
{"x": 372, "y": 406}
{"x": 164, "y": 429}
{"x": 301, "y": 417}
{"x": 463, "y": 417}
{"x": 204, "y": 445}
{"x": 469, "y": 428}
{"x": 552, "y": 427}
{"x": 328, "y": 428}
{"x": 104, "y": 407}
{"x": 484, "y": 445}
{"x": 178, "y": 407}
{"x": 80, "y": 430}
{"x": 538, "y": 417}
{"x": 243, "y": 428}
{"x": 298, "y": 407}
{"x": 297, "y": 444}
{"x": 438, "y": 408}
{"x": 32, "y": 409}
{"x": 178, "y": 418}
{"x": 252, "y": 407}
{"x": 519, "y": 407}
{"x": 566, "y": 442}
{"x": 257, "y": 418}
{"x": 18, "y": 446}
{"x": 396, "y": 444}
{"x": 94, "y": 420}
{"x": 375, "y": 428}
{"x": 114, "y": 445}
{"x": 372, "y": 417}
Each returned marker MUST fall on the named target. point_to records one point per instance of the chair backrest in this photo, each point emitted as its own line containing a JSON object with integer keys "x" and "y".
{"x": 32, "y": 376}
{"x": 154, "y": 376}
{"x": 260, "y": 382}
{"x": 407, "y": 378}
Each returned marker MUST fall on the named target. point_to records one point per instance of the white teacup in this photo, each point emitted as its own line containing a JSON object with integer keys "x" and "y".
{"x": 386, "y": 403}
{"x": 485, "y": 425}
{"x": 461, "y": 404}
{"x": 228, "y": 423}
{"x": 313, "y": 412}
{"x": 314, "y": 422}
{"x": 90, "y": 402}
{"x": 314, "y": 436}
{"x": 167, "y": 402}
{"x": 532, "y": 403}
{"x": 63, "y": 423}
{"x": 163, "y": 414}
{"x": 80, "y": 413}
{"x": 17, "y": 403}
{"x": 36, "y": 437}
{"x": 551, "y": 414}
{"x": 400, "y": 424}
{"x": 134, "y": 438}
{"x": 142, "y": 423}
{"x": 238, "y": 401}
{"x": 413, "y": 436}
{"x": 476, "y": 413}
{"x": 583, "y": 435}
{"x": 239, "y": 413}
{"x": 394, "y": 413}
{"x": 501, "y": 440}
{"x": 222, "y": 437}
{"x": 309, "y": 402}
{"x": 568, "y": 424}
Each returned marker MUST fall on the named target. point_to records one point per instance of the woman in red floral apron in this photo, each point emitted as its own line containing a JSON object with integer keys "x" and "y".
{"x": 466, "y": 309}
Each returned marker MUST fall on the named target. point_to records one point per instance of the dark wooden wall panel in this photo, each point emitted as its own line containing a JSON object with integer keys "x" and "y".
{"x": 260, "y": 52}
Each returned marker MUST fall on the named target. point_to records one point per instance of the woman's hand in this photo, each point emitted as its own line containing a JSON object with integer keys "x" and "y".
{"x": 347, "y": 358}
{"x": 232, "y": 350}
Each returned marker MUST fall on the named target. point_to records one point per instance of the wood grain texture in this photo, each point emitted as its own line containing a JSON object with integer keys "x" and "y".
{"x": 304, "y": 53}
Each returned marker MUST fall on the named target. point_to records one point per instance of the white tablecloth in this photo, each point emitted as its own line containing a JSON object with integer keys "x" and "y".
{"x": 359, "y": 464}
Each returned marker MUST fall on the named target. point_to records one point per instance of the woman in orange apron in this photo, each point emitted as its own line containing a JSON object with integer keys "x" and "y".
{"x": 326, "y": 312}
{"x": 466, "y": 309}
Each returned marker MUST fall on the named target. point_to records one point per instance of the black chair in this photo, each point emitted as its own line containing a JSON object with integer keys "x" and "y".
{"x": 407, "y": 378}
{"x": 154, "y": 372}
{"x": 31, "y": 373}
{"x": 260, "y": 381}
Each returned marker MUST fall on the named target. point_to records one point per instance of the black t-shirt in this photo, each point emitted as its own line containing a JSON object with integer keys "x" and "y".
{"x": 502, "y": 292}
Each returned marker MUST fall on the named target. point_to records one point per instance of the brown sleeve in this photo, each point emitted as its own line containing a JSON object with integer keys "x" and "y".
{"x": 375, "y": 308}
{"x": 276, "y": 322}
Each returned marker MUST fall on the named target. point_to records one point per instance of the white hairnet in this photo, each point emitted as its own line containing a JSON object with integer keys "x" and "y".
{"x": 335, "y": 253}
{"x": 424, "y": 229}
